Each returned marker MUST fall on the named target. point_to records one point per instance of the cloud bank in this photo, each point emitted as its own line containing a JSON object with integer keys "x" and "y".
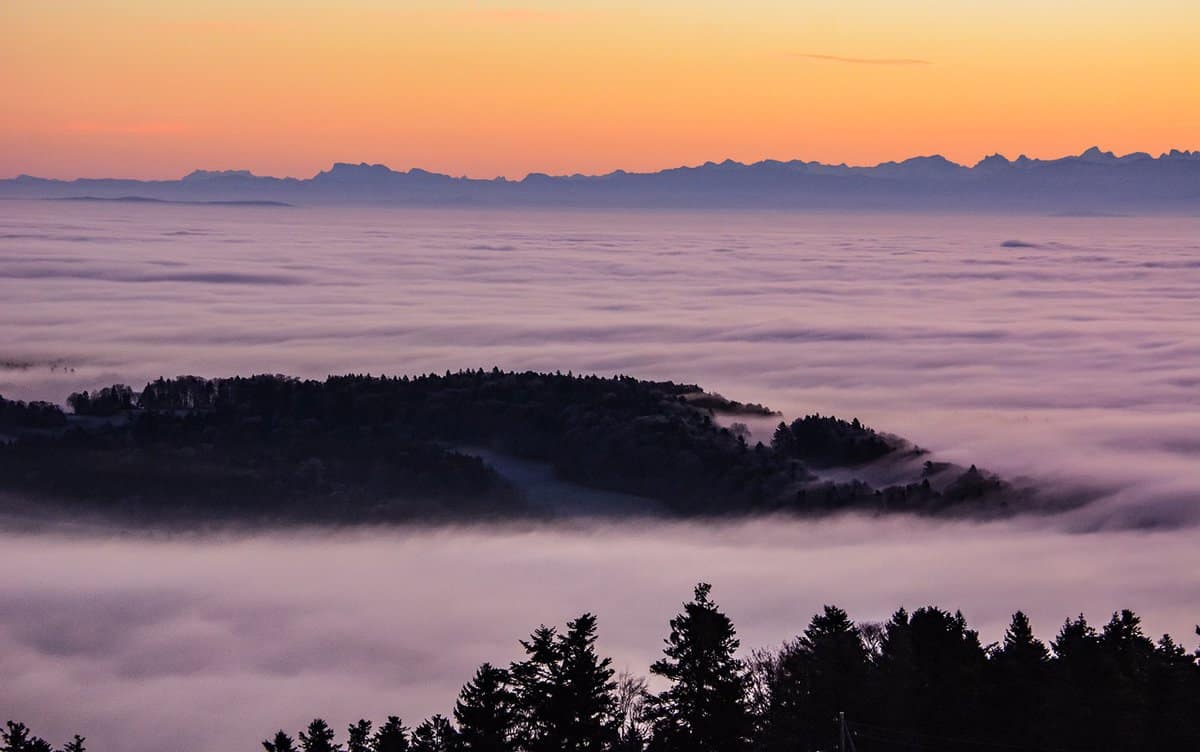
{"x": 1070, "y": 358}
{"x": 209, "y": 644}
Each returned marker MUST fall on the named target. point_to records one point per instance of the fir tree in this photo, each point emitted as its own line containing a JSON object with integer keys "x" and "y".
{"x": 75, "y": 745}
{"x": 486, "y": 712}
{"x": 1019, "y": 669}
{"x": 359, "y": 737}
{"x": 704, "y": 709}
{"x": 391, "y": 736}
{"x": 585, "y": 703}
{"x": 318, "y": 738}
{"x": 817, "y": 676}
{"x": 434, "y": 735}
{"x": 16, "y": 737}
{"x": 535, "y": 680}
{"x": 281, "y": 742}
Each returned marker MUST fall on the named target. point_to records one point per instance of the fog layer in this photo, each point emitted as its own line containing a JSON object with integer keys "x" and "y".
{"x": 207, "y": 645}
{"x": 1060, "y": 347}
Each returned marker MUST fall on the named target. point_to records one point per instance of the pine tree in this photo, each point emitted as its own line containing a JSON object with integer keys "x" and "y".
{"x": 1019, "y": 668}
{"x": 949, "y": 662}
{"x": 280, "y": 743}
{"x": 391, "y": 736}
{"x": 1129, "y": 655}
{"x": 434, "y": 735}
{"x": 823, "y": 672}
{"x": 586, "y": 705}
{"x": 359, "y": 737}
{"x": 1079, "y": 679}
{"x": 535, "y": 680}
{"x": 16, "y": 737}
{"x": 486, "y": 712}
{"x": 75, "y": 745}
{"x": 319, "y": 738}
{"x": 704, "y": 709}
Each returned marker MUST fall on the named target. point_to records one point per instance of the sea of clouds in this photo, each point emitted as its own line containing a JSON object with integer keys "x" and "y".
{"x": 211, "y": 643}
{"x": 1060, "y": 349}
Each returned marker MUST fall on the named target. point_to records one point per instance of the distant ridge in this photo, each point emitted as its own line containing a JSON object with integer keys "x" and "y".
{"x": 148, "y": 200}
{"x": 1094, "y": 182}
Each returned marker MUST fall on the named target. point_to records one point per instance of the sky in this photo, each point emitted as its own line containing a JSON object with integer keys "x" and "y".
{"x": 154, "y": 89}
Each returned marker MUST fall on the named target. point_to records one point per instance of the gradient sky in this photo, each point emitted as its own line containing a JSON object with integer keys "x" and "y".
{"x": 153, "y": 88}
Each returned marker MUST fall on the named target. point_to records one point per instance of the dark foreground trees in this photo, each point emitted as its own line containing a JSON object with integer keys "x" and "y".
{"x": 921, "y": 681}
{"x": 704, "y": 707}
{"x": 16, "y": 737}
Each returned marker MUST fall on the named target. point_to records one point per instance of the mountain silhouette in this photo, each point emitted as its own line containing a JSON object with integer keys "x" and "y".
{"x": 1093, "y": 181}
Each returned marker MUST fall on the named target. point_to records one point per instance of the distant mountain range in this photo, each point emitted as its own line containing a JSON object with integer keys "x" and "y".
{"x": 1094, "y": 182}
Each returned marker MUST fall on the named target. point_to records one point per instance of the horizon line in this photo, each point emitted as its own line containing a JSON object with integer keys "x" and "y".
{"x": 620, "y": 171}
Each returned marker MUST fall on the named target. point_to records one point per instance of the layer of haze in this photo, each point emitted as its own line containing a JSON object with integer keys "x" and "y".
{"x": 209, "y": 645}
{"x": 1060, "y": 348}
{"x": 143, "y": 88}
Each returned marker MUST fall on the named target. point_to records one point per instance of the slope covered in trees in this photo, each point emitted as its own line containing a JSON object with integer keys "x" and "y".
{"x": 363, "y": 448}
{"x": 920, "y": 681}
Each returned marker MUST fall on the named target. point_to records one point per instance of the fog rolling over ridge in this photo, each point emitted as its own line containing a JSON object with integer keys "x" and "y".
{"x": 1061, "y": 349}
{"x": 1095, "y": 181}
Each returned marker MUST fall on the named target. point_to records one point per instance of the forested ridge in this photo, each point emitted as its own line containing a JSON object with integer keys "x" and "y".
{"x": 920, "y": 681}
{"x": 373, "y": 448}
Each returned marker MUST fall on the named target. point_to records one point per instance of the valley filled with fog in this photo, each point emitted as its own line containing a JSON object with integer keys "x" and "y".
{"x": 1058, "y": 349}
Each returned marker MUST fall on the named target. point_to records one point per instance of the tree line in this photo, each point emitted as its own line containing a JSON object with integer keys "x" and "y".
{"x": 361, "y": 448}
{"x": 921, "y": 680}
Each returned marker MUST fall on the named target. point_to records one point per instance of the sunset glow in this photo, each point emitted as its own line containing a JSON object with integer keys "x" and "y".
{"x": 148, "y": 89}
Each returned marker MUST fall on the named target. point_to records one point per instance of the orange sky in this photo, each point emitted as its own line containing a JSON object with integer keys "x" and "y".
{"x": 153, "y": 88}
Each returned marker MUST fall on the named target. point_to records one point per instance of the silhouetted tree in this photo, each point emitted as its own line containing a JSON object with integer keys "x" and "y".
{"x": 434, "y": 735}
{"x": 632, "y": 729}
{"x": 281, "y": 742}
{"x": 391, "y": 736}
{"x": 565, "y": 691}
{"x": 16, "y": 737}
{"x": 75, "y": 744}
{"x": 359, "y": 737}
{"x": 1079, "y": 679}
{"x": 1129, "y": 657}
{"x": 949, "y": 661}
{"x": 486, "y": 712}
{"x": 318, "y": 738}
{"x": 535, "y": 680}
{"x": 586, "y": 705}
{"x": 820, "y": 674}
{"x": 1019, "y": 669}
{"x": 704, "y": 709}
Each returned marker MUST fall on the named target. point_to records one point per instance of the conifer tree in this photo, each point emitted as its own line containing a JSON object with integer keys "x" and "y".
{"x": 585, "y": 704}
{"x": 434, "y": 735}
{"x": 818, "y": 675}
{"x": 281, "y": 742}
{"x": 359, "y": 737}
{"x": 486, "y": 712}
{"x": 16, "y": 737}
{"x": 318, "y": 738}
{"x": 391, "y": 736}
{"x": 1019, "y": 668}
{"x": 75, "y": 745}
{"x": 704, "y": 709}
{"x": 534, "y": 680}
